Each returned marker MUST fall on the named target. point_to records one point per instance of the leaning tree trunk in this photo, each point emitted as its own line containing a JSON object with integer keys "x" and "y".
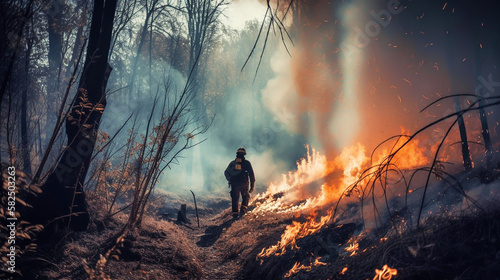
{"x": 463, "y": 136}
{"x": 63, "y": 198}
{"x": 450, "y": 38}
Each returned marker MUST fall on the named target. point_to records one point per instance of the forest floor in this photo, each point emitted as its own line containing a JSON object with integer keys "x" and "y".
{"x": 465, "y": 247}
{"x": 162, "y": 249}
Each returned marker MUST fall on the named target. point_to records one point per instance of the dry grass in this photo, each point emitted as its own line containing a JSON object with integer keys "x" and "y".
{"x": 23, "y": 236}
{"x": 160, "y": 250}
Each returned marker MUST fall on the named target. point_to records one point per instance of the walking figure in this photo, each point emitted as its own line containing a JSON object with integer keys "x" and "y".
{"x": 237, "y": 174}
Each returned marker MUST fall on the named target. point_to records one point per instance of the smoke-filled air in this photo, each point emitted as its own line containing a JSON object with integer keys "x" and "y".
{"x": 249, "y": 139}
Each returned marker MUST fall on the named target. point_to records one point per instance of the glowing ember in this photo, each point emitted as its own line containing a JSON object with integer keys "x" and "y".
{"x": 353, "y": 247}
{"x": 385, "y": 274}
{"x": 298, "y": 267}
{"x": 344, "y": 270}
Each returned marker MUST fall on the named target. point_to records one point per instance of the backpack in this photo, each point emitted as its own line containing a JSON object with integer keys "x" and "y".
{"x": 237, "y": 174}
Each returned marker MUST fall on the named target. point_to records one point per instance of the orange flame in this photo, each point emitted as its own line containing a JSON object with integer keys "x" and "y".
{"x": 385, "y": 274}
{"x": 353, "y": 247}
{"x": 344, "y": 270}
{"x": 296, "y": 231}
{"x": 310, "y": 169}
{"x": 315, "y": 167}
{"x": 412, "y": 155}
{"x": 298, "y": 267}
{"x": 351, "y": 161}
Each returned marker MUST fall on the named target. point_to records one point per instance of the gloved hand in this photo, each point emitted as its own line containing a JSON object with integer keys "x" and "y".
{"x": 251, "y": 189}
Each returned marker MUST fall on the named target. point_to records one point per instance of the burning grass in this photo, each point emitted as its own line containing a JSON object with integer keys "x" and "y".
{"x": 466, "y": 247}
{"x": 463, "y": 247}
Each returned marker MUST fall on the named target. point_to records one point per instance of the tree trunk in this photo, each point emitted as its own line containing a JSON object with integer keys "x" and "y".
{"x": 63, "y": 197}
{"x": 54, "y": 20}
{"x": 79, "y": 40}
{"x": 16, "y": 42}
{"x": 25, "y": 147}
{"x": 463, "y": 136}
{"x": 453, "y": 88}
{"x": 139, "y": 48}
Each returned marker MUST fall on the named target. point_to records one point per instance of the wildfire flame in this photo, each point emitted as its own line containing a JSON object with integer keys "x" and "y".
{"x": 410, "y": 156}
{"x": 310, "y": 169}
{"x": 298, "y": 267}
{"x": 351, "y": 161}
{"x": 296, "y": 231}
{"x": 353, "y": 247}
{"x": 316, "y": 167}
{"x": 385, "y": 274}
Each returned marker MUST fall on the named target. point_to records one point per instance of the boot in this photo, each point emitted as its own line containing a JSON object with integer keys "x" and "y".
{"x": 243, "y": 210}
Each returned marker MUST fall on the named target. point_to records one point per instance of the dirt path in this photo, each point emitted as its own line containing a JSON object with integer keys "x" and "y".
{"x": 214, "y": 263}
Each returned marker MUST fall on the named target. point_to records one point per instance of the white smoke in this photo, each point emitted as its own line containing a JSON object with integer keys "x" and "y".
{"x": 280, "y": 94}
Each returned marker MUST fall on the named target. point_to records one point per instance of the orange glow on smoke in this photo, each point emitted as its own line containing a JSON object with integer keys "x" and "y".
{"x": 385, "y": 274}
{"x": 351, "y": 161}
{"x": 412, "y": 155}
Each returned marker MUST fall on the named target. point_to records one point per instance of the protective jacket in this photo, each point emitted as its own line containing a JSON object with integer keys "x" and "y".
{"x": 237, "y": 174}
{"x": 239, "y": 171}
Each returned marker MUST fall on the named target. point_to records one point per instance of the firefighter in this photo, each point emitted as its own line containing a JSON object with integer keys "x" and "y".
{"x": 237, "y": 174}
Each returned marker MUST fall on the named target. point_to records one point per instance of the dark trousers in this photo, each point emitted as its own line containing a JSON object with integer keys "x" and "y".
{"x": 235, "y": 199}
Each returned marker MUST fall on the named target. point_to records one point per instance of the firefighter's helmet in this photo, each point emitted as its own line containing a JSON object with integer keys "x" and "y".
{"x": 241, "y": 150}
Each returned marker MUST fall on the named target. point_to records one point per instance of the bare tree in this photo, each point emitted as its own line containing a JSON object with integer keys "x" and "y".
{"x": 202, "y": 19}
{"x": 25, "y": 147}
{"x": 15, "y": 17}
{"x": 167, "y": 135}
{"x": 63, "y": 194}
{"x": 55, "y": 56}
{"x": 153, "y": 9}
